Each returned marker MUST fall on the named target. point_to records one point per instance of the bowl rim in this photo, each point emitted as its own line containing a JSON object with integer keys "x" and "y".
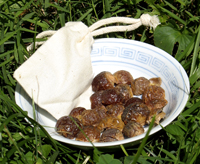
{"x": 139, "y": 137}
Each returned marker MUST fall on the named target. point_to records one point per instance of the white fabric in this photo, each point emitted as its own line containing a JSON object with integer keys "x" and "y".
{"x": 52, "y": 74}
{"x": 58, "y": 75}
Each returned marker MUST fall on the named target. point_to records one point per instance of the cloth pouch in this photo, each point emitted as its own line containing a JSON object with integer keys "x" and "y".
{"x": 59, "y": 74}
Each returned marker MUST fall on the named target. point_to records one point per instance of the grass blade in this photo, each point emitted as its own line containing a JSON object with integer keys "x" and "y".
{"x": 192, "y": 109}
{"x": 2, "y": 36}
{"x": 187, "y": 50}
{"x": 171, "y": 6}
{"x": 23, "y": 8}
{"x": 143, "y": 142}
{"x": 24, "y": 114}
{"x": 107, "y": 8}
{"x": 13, "y": 149}
{"x": 8, "y": 36}
{"x": 195, "y": 54}
{"x": 62, "y": 19}
{"x": 195, "y": 76}
{"x": 84, "y": 15}
{"x": 53, "y": 158}
{"x": 173, "y": 15}
{"x": 46, "y": 4}
{"x": 7, "y": 61}
{"x": 15, "y": 144}
{"x": 59, "y": 8}
{"x": 169, "y": 154}
{"x": 8, "y": 120}
{"x": 6, "y": 53}
{"x": 94, "y": 8}
{"x": 124, "y": 150}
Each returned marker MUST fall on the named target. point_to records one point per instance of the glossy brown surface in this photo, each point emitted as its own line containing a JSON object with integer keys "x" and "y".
{"x": 101, "y": 110}
{"x": 112, "y": 96}
{"x": 66, "y": 127}
{"x": 77, "y": 112}
{"x": 125, "y": 90}
{"x": 156, "y": 106}
{"x": 133, "y": 100}
{"x": 132, "y": 129}
{"x": 115, "y": 109}
{"x": 95, "y": 99}
{"x": 92, "y": 133}
{"x": 139, "y": 85}
{"x": 137, "y": 112}
{"x": 123, "y": 77}
{"x": 111, "y": 135}
{"x": 110, "y": 122}
{"x": 93, "y": 116}
{"x": 102, "y": 81}
{"x": 158, "y": 118}
{"x": 154, "y": 98}
{"x": 153, "y": 92}
{"x": 155, "y": 81}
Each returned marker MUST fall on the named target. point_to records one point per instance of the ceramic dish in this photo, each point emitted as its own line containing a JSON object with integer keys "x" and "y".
{"x": 140, "y": 59}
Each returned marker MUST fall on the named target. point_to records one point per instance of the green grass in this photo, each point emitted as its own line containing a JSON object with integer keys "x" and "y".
{"x": 178, "y": 34}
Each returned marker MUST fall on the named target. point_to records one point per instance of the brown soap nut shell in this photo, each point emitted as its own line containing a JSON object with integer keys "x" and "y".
{"x": 155, "y": 81}
{"x": 154, "y": 98}
{"x": 139, "y": 85}
{"x": 67, "y": 128}
{"x": 77, "y": 112}
{"x": 132, "y": 129}
{"x": 137, "y": 112}
{"x": 153, "y": 92}
{"x": 92, "y": 133}
{"x": 112, "y": 96}
{"x": 125, "y": 90}
{"x": 110, "y": 122}
{"x": 156, "y": 106}
{"x": 115, "y": 110}
{"x": 96, "y": 99}
{"x": 123, "y": 77}
{"x": 115, "y": 113}
{"x": 102, "y": 81}
{"x": 93, "y": 116}
{"x": 158, "y": 118}
{"x": 111, "y": 135}
{"x": 132, "y": 100}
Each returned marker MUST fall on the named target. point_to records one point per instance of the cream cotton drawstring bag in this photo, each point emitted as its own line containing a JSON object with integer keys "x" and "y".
{"x": 59, "y": 74}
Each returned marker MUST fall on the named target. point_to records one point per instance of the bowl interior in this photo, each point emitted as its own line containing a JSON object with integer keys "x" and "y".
{"x": 140, "y": 59}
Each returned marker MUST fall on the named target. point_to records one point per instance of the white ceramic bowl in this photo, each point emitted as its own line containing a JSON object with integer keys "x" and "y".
{"x": 140, "y": 59}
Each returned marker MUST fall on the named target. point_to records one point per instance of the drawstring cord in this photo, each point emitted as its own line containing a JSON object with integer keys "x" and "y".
{"x": 145, "y": 19}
